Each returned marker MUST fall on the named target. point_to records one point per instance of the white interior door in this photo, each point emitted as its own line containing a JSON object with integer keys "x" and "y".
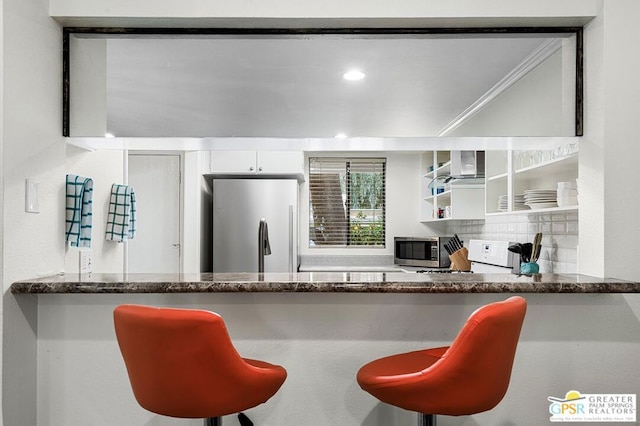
{"x": 156, "y": 181}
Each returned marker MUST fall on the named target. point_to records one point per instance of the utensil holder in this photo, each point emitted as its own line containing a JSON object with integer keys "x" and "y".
{"x": 529, "y": 268}
{"x": 460, "y": 260}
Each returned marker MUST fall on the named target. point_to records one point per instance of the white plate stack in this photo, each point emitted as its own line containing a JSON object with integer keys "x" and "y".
{"x": 519, "y": 202}
{"x": 567, "y": 194}
{"x": 540, "y": 198}
{"x": 503, "y": 203}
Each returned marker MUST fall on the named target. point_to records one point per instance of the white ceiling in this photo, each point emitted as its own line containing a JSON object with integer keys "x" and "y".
{"x": 293, "y": 86}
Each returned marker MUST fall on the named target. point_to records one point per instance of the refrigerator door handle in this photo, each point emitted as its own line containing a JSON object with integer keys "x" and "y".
{"x": 291, "y": 238}
{"x": 264, "y": 248}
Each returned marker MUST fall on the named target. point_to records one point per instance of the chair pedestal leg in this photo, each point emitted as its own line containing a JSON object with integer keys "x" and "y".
{"x": 426, "y": 419}
{"x": 213, "y": 421}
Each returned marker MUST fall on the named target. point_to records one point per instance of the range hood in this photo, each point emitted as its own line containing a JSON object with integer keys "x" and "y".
{"x": 467, "y": 165}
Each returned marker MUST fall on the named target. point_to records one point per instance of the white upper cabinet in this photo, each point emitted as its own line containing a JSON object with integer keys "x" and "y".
{"x": 258, "y": 163}
{"x": 445, "y": 197}
{"x": 528, "y": 181}
{"x": 233, "y": 162}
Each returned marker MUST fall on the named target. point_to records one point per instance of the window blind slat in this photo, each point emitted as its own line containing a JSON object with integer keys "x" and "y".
{"x": 347, "y": 201}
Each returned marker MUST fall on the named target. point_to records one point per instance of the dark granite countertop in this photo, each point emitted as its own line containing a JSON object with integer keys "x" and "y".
{"x": 327, "y": 282}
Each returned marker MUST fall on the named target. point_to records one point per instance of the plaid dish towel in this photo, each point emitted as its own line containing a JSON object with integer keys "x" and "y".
{"x": 78, "y": 215}
{"x": 121, "y": 221}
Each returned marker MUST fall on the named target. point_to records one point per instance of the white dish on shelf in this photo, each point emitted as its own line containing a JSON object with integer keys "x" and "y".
{"x": 541, "y": 200}
{"x": 567, "y": 201}
{"x": 567, "y": 185}
{"x": 540, "y": 191}
{"x": 536, "y": 206}
{"x": 567, "y": 192}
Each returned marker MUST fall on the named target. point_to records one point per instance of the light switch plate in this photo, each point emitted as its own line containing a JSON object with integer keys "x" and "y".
{"x": 31, "y": 202}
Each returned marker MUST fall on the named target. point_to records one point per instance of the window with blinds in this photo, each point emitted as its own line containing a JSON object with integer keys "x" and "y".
{"x": 347, "y": 202}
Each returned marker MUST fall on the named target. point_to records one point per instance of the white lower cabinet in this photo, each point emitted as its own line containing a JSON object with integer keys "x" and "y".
{"x": 257, "y": 162}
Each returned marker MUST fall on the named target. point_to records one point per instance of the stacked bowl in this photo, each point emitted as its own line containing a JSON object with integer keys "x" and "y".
{"x": 567, "y": 194}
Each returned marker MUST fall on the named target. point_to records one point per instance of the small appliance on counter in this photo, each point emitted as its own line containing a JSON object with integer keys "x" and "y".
{"x": 425, "y": 252}
{"x": 488, "y": 256}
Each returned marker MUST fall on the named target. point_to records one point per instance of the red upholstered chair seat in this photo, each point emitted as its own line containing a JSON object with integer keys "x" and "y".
{"x": 182, "y": 363}
{"x": 470, "y": 376}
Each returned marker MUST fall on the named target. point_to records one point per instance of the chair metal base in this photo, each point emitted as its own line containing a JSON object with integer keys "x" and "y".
{"x": 217, "y": 421}
{"x": 426, "y": 419}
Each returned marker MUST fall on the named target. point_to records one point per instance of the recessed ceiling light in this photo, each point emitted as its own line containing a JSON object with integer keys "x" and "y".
{"x": 353, "y": 75}
{"x": 340, "y": 136}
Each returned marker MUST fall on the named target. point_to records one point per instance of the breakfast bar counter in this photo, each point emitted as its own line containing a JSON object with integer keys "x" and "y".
{"x": 322, "y": 327}
{"x": 322, "y": 282}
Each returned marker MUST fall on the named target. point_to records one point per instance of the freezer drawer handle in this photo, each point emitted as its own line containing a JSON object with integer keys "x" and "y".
{"x": 290, "y": 238}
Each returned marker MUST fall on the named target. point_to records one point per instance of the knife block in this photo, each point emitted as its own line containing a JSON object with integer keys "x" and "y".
{"x": 460, "y": 260}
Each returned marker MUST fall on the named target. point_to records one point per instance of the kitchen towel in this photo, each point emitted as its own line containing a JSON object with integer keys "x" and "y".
{"x": 78, "y": 217}
{"x": 121, "y": 221}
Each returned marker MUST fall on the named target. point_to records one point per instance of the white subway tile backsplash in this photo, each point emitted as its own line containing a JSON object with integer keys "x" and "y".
{"x": 567, "y": 255}
{"x": 546, "y": 266}
{"x": 571, "y": 267}
{"x": 547, "y": 217}
{"x": 560, "y": 267}
{"x": 566, "y": 241}
{"x": 559, "y": 228}
{"x": 560, "y": 235}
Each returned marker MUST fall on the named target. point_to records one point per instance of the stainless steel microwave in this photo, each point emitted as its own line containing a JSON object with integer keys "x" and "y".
{"x": 428, "y": 252}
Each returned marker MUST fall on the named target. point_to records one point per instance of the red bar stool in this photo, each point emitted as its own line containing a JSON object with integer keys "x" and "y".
{"x": 182, "y": 363}
{"x": 468, "y": 377}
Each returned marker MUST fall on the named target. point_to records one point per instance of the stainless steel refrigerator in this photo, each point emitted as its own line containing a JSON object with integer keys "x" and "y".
{"x": 243, "y": 210}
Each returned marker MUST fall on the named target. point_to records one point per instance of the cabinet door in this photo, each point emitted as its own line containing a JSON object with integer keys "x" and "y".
{"x": 280, "y": 162}
{"x": 233, "y": 162}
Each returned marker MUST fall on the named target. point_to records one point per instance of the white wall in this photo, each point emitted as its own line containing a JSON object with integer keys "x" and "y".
{"x": 105, "y": 168}
{"x": 88, "y": 92}
{"x": 1, "y": 189}
{"x": 443, "y": 13}
{"x": 533, "y": 106}
{"x": 620, "y": 174}
{"x": 589, "y": 343}
{"x": 33, "y": 148}
{"x": 193, "y": 169}
{"x": 593, "y": 149}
